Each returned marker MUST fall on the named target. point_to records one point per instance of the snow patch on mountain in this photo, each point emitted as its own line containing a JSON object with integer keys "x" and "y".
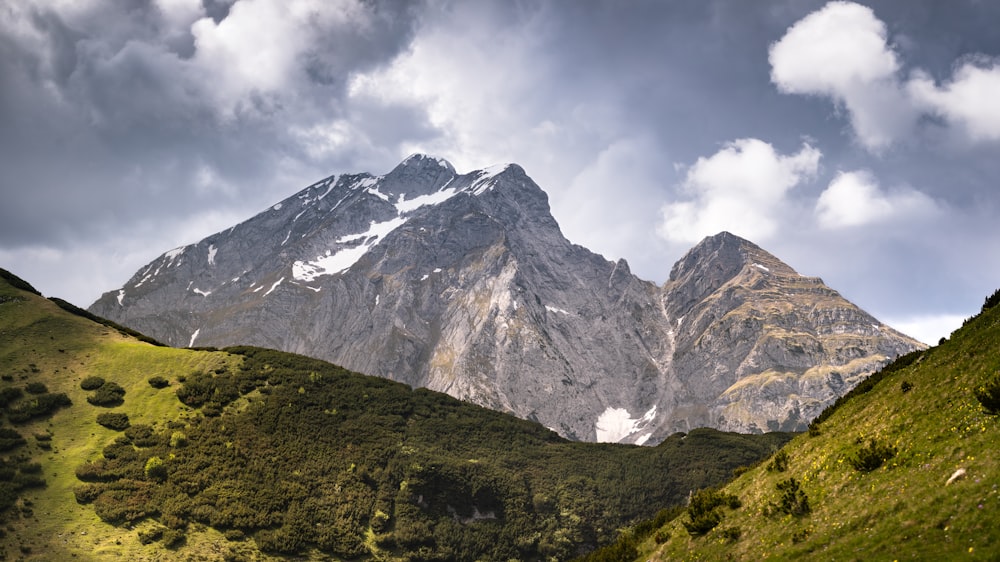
{"x": 405, "y": 206}
{"x": 342, "y": 260}
{"x": 615, "y": 424}
{"x": 374, "y": 191}
{"x": 274, "y": 286}
{"x": 483, "y": 183}
{"x": 172, "y": 256}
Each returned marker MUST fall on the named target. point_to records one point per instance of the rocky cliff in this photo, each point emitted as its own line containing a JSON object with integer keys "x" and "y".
{"x": 464, "y": 283}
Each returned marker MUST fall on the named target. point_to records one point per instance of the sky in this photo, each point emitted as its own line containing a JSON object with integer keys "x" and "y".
{"x": 857, "y": 142}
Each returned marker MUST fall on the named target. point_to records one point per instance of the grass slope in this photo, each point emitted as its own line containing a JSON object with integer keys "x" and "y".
{"x": 905, "y": 509}
{"x": 303, "y": 458}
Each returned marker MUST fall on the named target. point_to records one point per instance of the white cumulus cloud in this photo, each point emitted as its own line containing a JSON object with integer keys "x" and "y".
{"x": 855, "y": 199}
{"x": 842, "y": 51}
{"x": 971, "y": 99}
{"x": 741, "y": 188}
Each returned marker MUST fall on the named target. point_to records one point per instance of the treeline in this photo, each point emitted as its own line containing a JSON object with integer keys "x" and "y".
{"x": 322, "y": 458}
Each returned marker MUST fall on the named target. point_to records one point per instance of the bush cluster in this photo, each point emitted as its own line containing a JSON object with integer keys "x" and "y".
{"x": 10, "y": 439}
{"x": 792, "y": 500}
{"x": 108, "y": 394}
{"x": 36, "y": 388}
{"x": 16, "y": 475}
{"x": 872, "y": 456}
{"x": 9, "y": 394}
{"x": 38, "y": 406}
{"x": 158, "y": 382}
{"x": 91, "y": 383}
{"x": 704, "y": 510}
{"x": 113, "y": 420}
{"x": 779, "y": 462}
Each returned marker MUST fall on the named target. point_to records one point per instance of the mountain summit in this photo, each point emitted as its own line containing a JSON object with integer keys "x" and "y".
{"x": 464, "y": 283}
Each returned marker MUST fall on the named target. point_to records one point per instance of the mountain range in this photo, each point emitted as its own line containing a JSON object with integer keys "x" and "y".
{"x": 464, "y": 283}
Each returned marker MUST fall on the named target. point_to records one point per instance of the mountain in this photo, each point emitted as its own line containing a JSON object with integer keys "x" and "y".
{"x": 904, "y": 467}
{"x": 463, "y": 283}
{"x": 114, "y": 448}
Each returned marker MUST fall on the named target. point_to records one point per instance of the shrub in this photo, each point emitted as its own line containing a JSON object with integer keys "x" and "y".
{"x": 779, "y": 462}
{"x": 178, "y": 439}
{"x": 108, "y": 394}
{"x": 792, "y": 500}
{"x": 158, "y": 382}
{"x": 9, "y": 394}
{"x": 173, "y": 538}
{"x": 10, "y": 439}
{"x": 113, "y": 420}
{"x": 39, "y": 406}
{"x": 988, "y": 395}
{"x": 142, "y": 435}
{"x": 151, "y": 536}
{"x": 906, "y": 386}
{"x": 873, "y": 456}
{"x": 91, "y": 383}
{"x": 156, "y": 469}
{"x": 86, "y": 493}
{"x": 703, "y": 510}
{"x": 731, "y": 534}
{"x": 36, "y": 388}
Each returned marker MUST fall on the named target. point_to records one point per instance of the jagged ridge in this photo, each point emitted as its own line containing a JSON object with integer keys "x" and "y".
{"x": 464, "y": 283}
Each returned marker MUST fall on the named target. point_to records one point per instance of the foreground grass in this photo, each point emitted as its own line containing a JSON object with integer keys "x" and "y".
{"x": 903, "y": 510}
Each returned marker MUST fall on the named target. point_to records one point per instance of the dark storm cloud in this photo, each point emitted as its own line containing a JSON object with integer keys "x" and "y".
{"x": 110, "y": 113}
{"x": 133, "y": 127}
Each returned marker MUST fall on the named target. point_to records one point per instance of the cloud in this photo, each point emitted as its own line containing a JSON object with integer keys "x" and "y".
{"x": 968, "y": 100}
{"x": 855, "y": 199}
{"x": 842, "y": 52}
{"x": 742, "y": 189}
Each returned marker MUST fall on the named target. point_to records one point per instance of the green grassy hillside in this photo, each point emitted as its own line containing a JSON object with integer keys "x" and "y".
{"x": 907, "y": 468}
{"x": 155, "y": 453}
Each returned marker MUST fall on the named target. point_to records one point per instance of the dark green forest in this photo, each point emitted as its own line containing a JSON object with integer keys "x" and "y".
{"x": 297, "y": 454}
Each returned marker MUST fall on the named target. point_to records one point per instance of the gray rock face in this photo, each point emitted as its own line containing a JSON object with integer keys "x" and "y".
{"x": 465, "y": 284}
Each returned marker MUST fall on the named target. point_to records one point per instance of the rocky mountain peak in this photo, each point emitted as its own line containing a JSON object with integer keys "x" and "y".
{"x": 417, "y": 175}
{"x": 715, "y": 261}
{"x": 464, "y": 283}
